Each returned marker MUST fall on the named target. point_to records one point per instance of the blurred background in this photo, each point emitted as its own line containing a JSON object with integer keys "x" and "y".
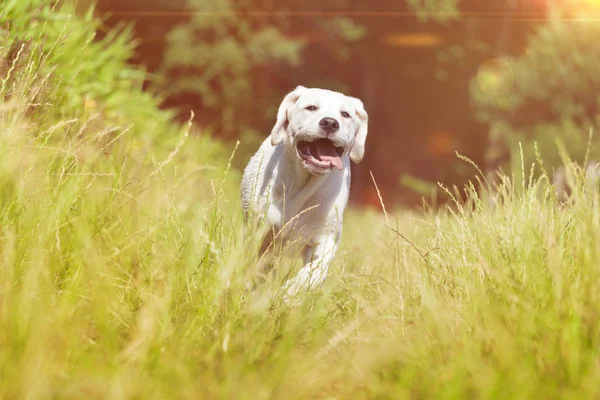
{"x": 484, "y": 78}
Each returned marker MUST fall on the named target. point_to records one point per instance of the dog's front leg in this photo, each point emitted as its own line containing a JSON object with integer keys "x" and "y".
{"x": 317, "y": 259}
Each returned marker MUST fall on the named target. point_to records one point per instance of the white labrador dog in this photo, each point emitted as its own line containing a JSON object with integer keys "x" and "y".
{"x": 299, "y": 180}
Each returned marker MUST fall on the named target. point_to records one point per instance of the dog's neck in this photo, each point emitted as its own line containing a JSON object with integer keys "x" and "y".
{"x": 295, "y": 174}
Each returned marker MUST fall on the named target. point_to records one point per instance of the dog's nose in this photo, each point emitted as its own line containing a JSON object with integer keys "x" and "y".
{"x": 329, "y": 125}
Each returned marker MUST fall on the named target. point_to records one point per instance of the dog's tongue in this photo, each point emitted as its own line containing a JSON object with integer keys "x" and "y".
{"x": 327, "y": 152}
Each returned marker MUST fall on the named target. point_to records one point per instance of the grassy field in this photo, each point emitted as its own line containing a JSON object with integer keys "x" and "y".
{"x": 123, "y": 269}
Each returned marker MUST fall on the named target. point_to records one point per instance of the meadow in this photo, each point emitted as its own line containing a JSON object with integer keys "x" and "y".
{"x": 123, "y": 268}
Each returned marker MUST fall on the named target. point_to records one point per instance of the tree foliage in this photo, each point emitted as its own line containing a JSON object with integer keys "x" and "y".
{"x": 76, "y": 69}
{"x": 548, "y": 94}
{"x": 436, "y": 10}
{"x": 215, "y": 55}
{"x": 224, "y": 53}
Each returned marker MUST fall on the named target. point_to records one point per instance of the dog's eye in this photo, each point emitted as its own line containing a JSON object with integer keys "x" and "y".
{"x": 311, "y": 108}
{"x": 345, "y": 114}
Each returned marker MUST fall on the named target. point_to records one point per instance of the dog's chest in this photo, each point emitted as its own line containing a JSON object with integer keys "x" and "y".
{"x": 298, "y": 221}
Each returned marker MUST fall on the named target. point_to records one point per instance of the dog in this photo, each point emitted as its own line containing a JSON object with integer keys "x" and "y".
{"x": 298, "y": 181}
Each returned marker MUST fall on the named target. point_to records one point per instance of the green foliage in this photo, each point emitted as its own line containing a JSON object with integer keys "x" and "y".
{"x": 75, "y": 70}
{"x": 348, "y": 29}
{"x": 54, "y": 70}
{"x": 549, "y": 93}
{"x": 441, "y": 11}
{"x": 216, "y": 54}
{"x": 342, "y": 32}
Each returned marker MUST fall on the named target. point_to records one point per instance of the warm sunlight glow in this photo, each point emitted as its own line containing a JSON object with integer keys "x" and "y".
{"x": 583, "y": 5}
{"x": 412, "y": 40}
{"x": 495, "y": 77}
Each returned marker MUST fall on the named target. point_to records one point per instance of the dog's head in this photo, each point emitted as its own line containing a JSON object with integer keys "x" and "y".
{"x": 322, "y": 126}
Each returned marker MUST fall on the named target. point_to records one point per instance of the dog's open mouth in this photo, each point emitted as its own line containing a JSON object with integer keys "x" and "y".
{"x": 321, "y": 153}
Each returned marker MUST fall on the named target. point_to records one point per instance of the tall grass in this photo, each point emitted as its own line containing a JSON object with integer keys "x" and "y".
{"x": 123, "y": 275}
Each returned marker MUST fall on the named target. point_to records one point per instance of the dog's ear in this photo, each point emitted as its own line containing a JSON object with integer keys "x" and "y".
{"x": 278, "y": 131}
{"x": 357, "y": 151}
